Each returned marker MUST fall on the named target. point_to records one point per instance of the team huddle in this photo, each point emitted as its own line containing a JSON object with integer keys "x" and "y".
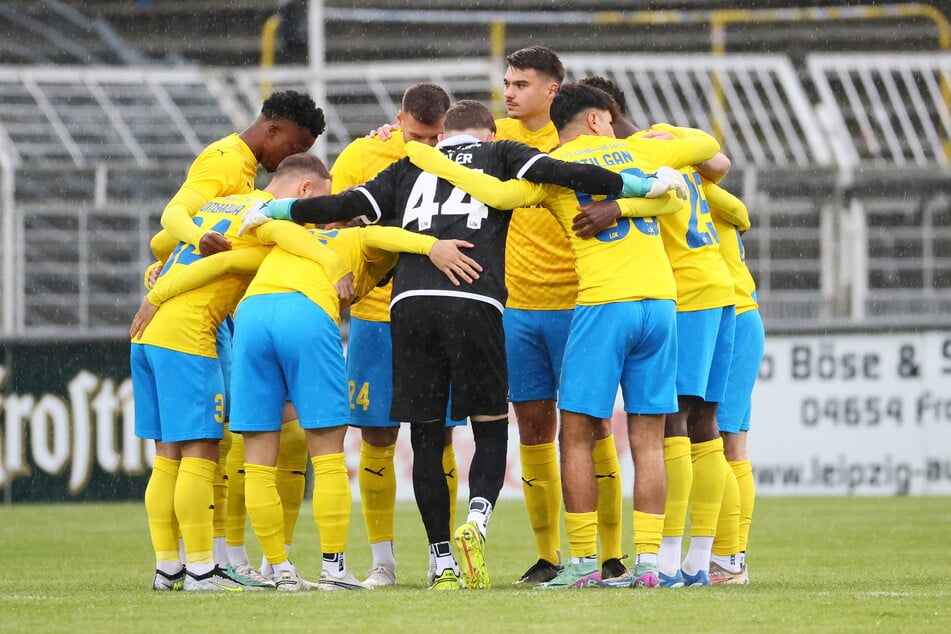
{"x": 542, "y": 260}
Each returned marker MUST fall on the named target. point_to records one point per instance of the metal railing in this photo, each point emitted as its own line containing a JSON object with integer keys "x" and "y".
{"x": 90, "y": 156}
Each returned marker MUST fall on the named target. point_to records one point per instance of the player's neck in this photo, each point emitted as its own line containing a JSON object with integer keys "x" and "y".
{"x": 571, "y": 132}
{"x": 253, "y": 139}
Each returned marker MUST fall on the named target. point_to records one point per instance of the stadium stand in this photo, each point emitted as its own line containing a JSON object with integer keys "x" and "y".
{"x": 842, "y": 158}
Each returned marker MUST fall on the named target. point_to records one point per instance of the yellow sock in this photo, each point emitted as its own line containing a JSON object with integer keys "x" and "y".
{"x": 332, "y": 501}
{"x": 709, "y": 479}
{"x": 452, "y": 480}
{"x": 264, "y": 508}
{"x": 679, "y": 483}
{"x": 582, "y": 533}
{"x": 194, "y": 507}
{"x": 291, "y": 474}
{"x": 236, "y": 518}
{"x": 377, "y": 481}
{"x": 607, "y": 470}
{"x": 220, "y": 517}
{"x": 747, "y": 486}
{"x": 541, "y": 486}
{"x": 727, "y": 539}
{"x": 160, "y": 508}
{"x": 647, "y": 532}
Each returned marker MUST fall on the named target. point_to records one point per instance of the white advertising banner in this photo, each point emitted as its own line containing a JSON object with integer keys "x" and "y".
{"x": 863, "y": 414}
{"x": 855, "y": 414}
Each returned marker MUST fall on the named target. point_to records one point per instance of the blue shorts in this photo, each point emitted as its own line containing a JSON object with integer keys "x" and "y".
{"x": 287, "y": 347}
{"x": 704, "y": 351}
{"x": 534, "y": 348}
{"x": 370, "y": 374}
{"x": 631, "y": 344}
{"x": 223, "y": 345}
{"x": 733, "y": 413}
{"x": 178, "y": 396}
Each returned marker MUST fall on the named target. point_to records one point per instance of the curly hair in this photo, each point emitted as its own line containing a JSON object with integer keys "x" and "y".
{"x": 296, "y": 107}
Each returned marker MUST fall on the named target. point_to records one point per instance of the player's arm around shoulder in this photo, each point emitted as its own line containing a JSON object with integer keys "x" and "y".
{"x": 446, "y": 255}
{"x": 727, "y": 206}
{"x": 297, "y": 240}
{"x": 664, "y": 205}
{"x": 198, "y": 273}
{"x": 483, "y": 187}
{"x": 678, "y": 146}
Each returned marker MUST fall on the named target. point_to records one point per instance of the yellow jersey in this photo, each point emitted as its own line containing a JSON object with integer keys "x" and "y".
{"x": 226, "y": 167}
{"x": 724, "y": 208}
{"x": 188, "y": 321}
{"x": 626, "y": 262}
{"x": 703, "y": 279}
{"x": 359, "y": 162}
{"x": 368, "y": 251}
{"x": 608, "y": 268}
{"x": 539, "y": 268}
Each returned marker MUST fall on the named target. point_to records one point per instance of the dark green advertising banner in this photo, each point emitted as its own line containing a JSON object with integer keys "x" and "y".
{"x": 67, "y": 423}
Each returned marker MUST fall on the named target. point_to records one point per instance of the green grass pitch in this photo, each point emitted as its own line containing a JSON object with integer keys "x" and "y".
{"x": 817, "y": 565}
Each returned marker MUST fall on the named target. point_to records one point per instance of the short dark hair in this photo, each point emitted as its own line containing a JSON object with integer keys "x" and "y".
{"x": 302, "y": 164}
{"x": 539, "y": 58}
{"x": 574, "y": 98}
{"x": 469, "y": 114}
{"x": 609, "y": 87}
{"x": 296, "y": 107}
{"x": 427, "y": 103}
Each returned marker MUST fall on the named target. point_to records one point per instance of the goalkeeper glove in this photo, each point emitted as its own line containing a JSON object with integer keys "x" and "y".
{"x": 665, "y": 179}
{"x": 266, "y": 210}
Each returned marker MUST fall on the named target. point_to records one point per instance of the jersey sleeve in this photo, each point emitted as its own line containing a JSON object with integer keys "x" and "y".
{"x": 488, "y": 189}
{"x": 396, "y": 239}
{"x": 212, "y": 174}
{"x": 645, "y": 207}
{"x": 148, "y": 272}
{"x": 162, "y": 244}
{"x": 576, "y": 176}
{"x": 688, "y": 147}
{"x": 321, "y": 210}
{"x": 297, "y": 240}
{"x": 239, "y": 261}
{"x": 727, "y": 206}
{"x": 515, "y": 158}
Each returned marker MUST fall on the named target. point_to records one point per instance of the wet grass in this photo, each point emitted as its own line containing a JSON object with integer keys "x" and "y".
{"x": 817, "y": 565}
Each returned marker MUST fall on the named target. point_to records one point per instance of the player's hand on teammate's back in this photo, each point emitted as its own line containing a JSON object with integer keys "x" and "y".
{"x": 658, "y": 134}
{"x": 344, "y": 287}
{"x": 142, "y": 318}
{"x": 154, "y": 271}
{"x": 664, "y": 180}
{"x": 213, "y": 242}
{"x": 446, "y": 256}
{"x": 595, "y": 217}
{"x": 385, "y": 131}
